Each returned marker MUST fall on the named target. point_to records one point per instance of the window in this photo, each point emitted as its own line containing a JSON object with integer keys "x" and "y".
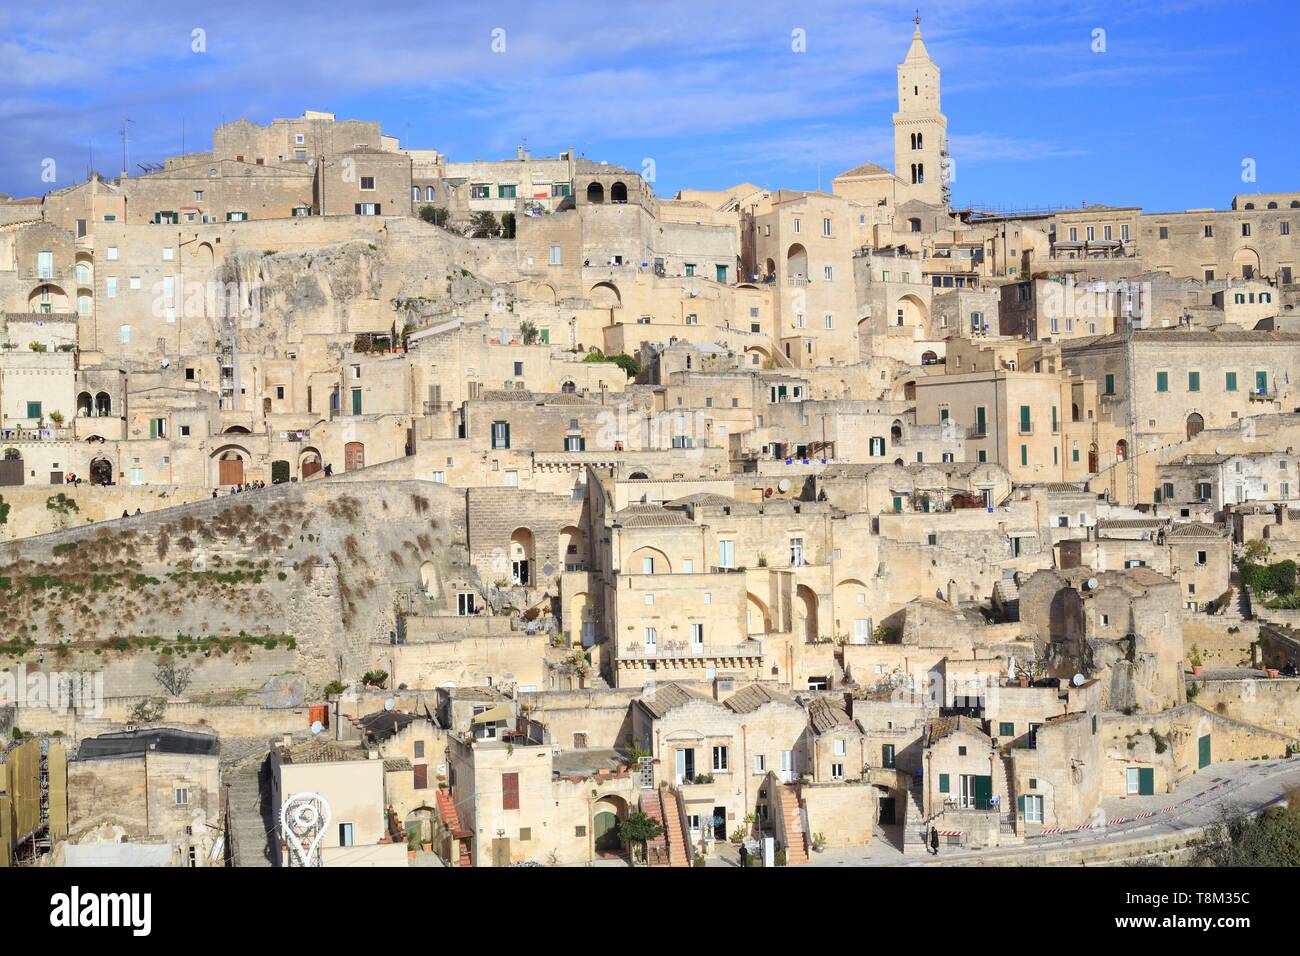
{"x": 168, "y": 253}
{"x": 368, "y": 183}
{"x": 726, "y": 554}
{"x": 135, "y": 282}
{"x": 356, "y": 401}
{"x": 651, "y": 638}
{"x": 796, "y": 553}
{"x": 500, "y": 434}
{"x": 112, "y": 252}
{"x": 125, "y": 333}
{"x": 760, "y": 763}
{"x": 1026, "y": 425}
{"x": 182, "y": 796}
{"x": 510, "y": 791}
{"x": 1230, "y": 381}
{"x": 1193, "y": 381}
{"x": 1245, "y": 229}
{"x": 1006, "y": 728}
{"x": 1033, "y": 807}
{"x": 887, "y": 756}
{"x": 1162, "y": 381}
{"x": 465, "y": 603}
{"x": 1209, "y": 232}
{"x": 720, "y": 758}
{"x": 110, "y": 286}
{"x": 345, "y": 834}
{"x": 367, "y": 209}
{"x": 826, "y": 229}
{"x": 837, "y": 771}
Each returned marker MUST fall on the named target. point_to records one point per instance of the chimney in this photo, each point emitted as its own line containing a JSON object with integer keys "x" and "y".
{"x": 519, "y": 152}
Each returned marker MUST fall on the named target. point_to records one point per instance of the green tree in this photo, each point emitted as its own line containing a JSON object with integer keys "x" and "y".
{"x": 1271, "y": 838}
{"x": 529, "y": 331}
{"x": 4, "y": 511}
{"x": 434, "y": 215}
{"x": 507, "y": 225}
{"x": 484, "y": 225}
{"x": 638, "y": 830}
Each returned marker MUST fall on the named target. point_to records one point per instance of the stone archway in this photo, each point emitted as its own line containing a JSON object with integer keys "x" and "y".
{"x": 1195, "y": 424}
{"x": 806, "y": 613}
{"x": 522, "y": 557}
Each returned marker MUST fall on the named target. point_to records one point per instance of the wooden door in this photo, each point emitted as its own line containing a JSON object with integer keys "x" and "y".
{"x": 231, "y": 471}
{"x": 354, "y": 456}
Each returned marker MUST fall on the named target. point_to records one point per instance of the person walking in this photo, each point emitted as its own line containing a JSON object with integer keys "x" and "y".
{"x": 744, "y": 856}
{"x": 934, "y": 840}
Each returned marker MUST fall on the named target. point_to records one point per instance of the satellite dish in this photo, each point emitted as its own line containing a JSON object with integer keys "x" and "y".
{"x": 1218, "y": 451}
{"x": 1092, "y": 584}
{"x": 1078, "y": 680}
{"x": 783, "y": 485}
{"x": 316, "y": 727}
{"x": 390, "y": 704}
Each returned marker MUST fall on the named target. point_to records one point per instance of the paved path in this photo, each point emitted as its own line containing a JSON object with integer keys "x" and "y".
{"x": 1241, "y": 786}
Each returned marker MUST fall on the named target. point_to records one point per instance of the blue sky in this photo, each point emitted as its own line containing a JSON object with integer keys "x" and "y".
{"x": 712, "y": 92}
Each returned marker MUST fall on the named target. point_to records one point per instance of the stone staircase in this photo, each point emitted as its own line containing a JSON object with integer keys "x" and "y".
{"x": 796, "y": 841}
{"x": 671, "y": 818}
{"x": 451, "y": 820}
{"x": 915, "y": 830}
{"x": 656, "y": 849}
{"x": 250, "y": 822}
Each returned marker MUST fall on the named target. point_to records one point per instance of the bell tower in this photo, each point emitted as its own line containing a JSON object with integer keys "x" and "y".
{"x": 920, "y": 128}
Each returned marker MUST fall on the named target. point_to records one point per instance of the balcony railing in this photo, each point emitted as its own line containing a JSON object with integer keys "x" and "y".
{"x": 686, "y": 651}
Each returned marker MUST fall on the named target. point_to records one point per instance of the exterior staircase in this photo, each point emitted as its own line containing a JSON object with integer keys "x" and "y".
{"x": 250, "y": 822}
{"x": 451, "y": 820}
{"x": 915, "y": 829}
{"x": 656, "y": 849}
{"x": 671, "y": 817}
{"x": 796, "y": 841}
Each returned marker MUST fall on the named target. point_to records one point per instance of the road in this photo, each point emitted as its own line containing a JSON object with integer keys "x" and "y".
{"x": 1241, "y": 786}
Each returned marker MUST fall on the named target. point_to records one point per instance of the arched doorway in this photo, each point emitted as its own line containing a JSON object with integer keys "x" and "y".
{"x": 910, "y": 312}
{"x": 354, "y": 456}
{"x": 806, "y": 612}
{"x": 85, "y": 405}
{"x": 1092, "y": 458}
{"x": 929, "y": 358}
{"x": 1245, "y": 263}
{"x": 607, "y": 814}
{"x": 605, "y": 295}
{"x": 1195, "y": 424}
{"x": 308, "y": 462}
{"x": 521, "y": 557}
{"x": 236, "y": 430}
{"x": 429, "y": 578}
{"x": 101, "y": 471}
{"x": 419, "y": 825}
{"x": 103, "y": 405}
{"x": 279, "y": 472}
{"x": 758, "y": 620}
{"x": 1121, "y": 450}
{"x": 595, "y": 193}
{"x": 11, "y": 467}
{"x": 230, "y": 467}
{"x": 796, "y": 262}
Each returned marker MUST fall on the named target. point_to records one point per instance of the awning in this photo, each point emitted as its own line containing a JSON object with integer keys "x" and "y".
{"x": 493, "y": 714}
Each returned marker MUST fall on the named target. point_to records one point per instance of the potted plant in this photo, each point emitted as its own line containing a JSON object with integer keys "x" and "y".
{"x": 1196, "y": 661}
{"x": 818, "y": 842}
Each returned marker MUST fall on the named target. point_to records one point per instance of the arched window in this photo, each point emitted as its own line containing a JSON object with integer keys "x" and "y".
{"x": 595, "y": 193}
{"x": 914, "y": 225}
{"x": 618, "y": 192}
{"x": 429, "y": 194}
{"x": 103, "y": 405}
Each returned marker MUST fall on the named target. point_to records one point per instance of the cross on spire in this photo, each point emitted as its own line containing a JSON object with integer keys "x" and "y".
{"x": 917, "y": 19}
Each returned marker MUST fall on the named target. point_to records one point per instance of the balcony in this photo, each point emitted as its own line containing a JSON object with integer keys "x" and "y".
{"x": 684, "y": 651}
{"x": 1263, "y": 395}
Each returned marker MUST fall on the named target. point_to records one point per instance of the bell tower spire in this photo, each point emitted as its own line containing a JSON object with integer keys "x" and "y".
{"x": 920, "y": 128}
